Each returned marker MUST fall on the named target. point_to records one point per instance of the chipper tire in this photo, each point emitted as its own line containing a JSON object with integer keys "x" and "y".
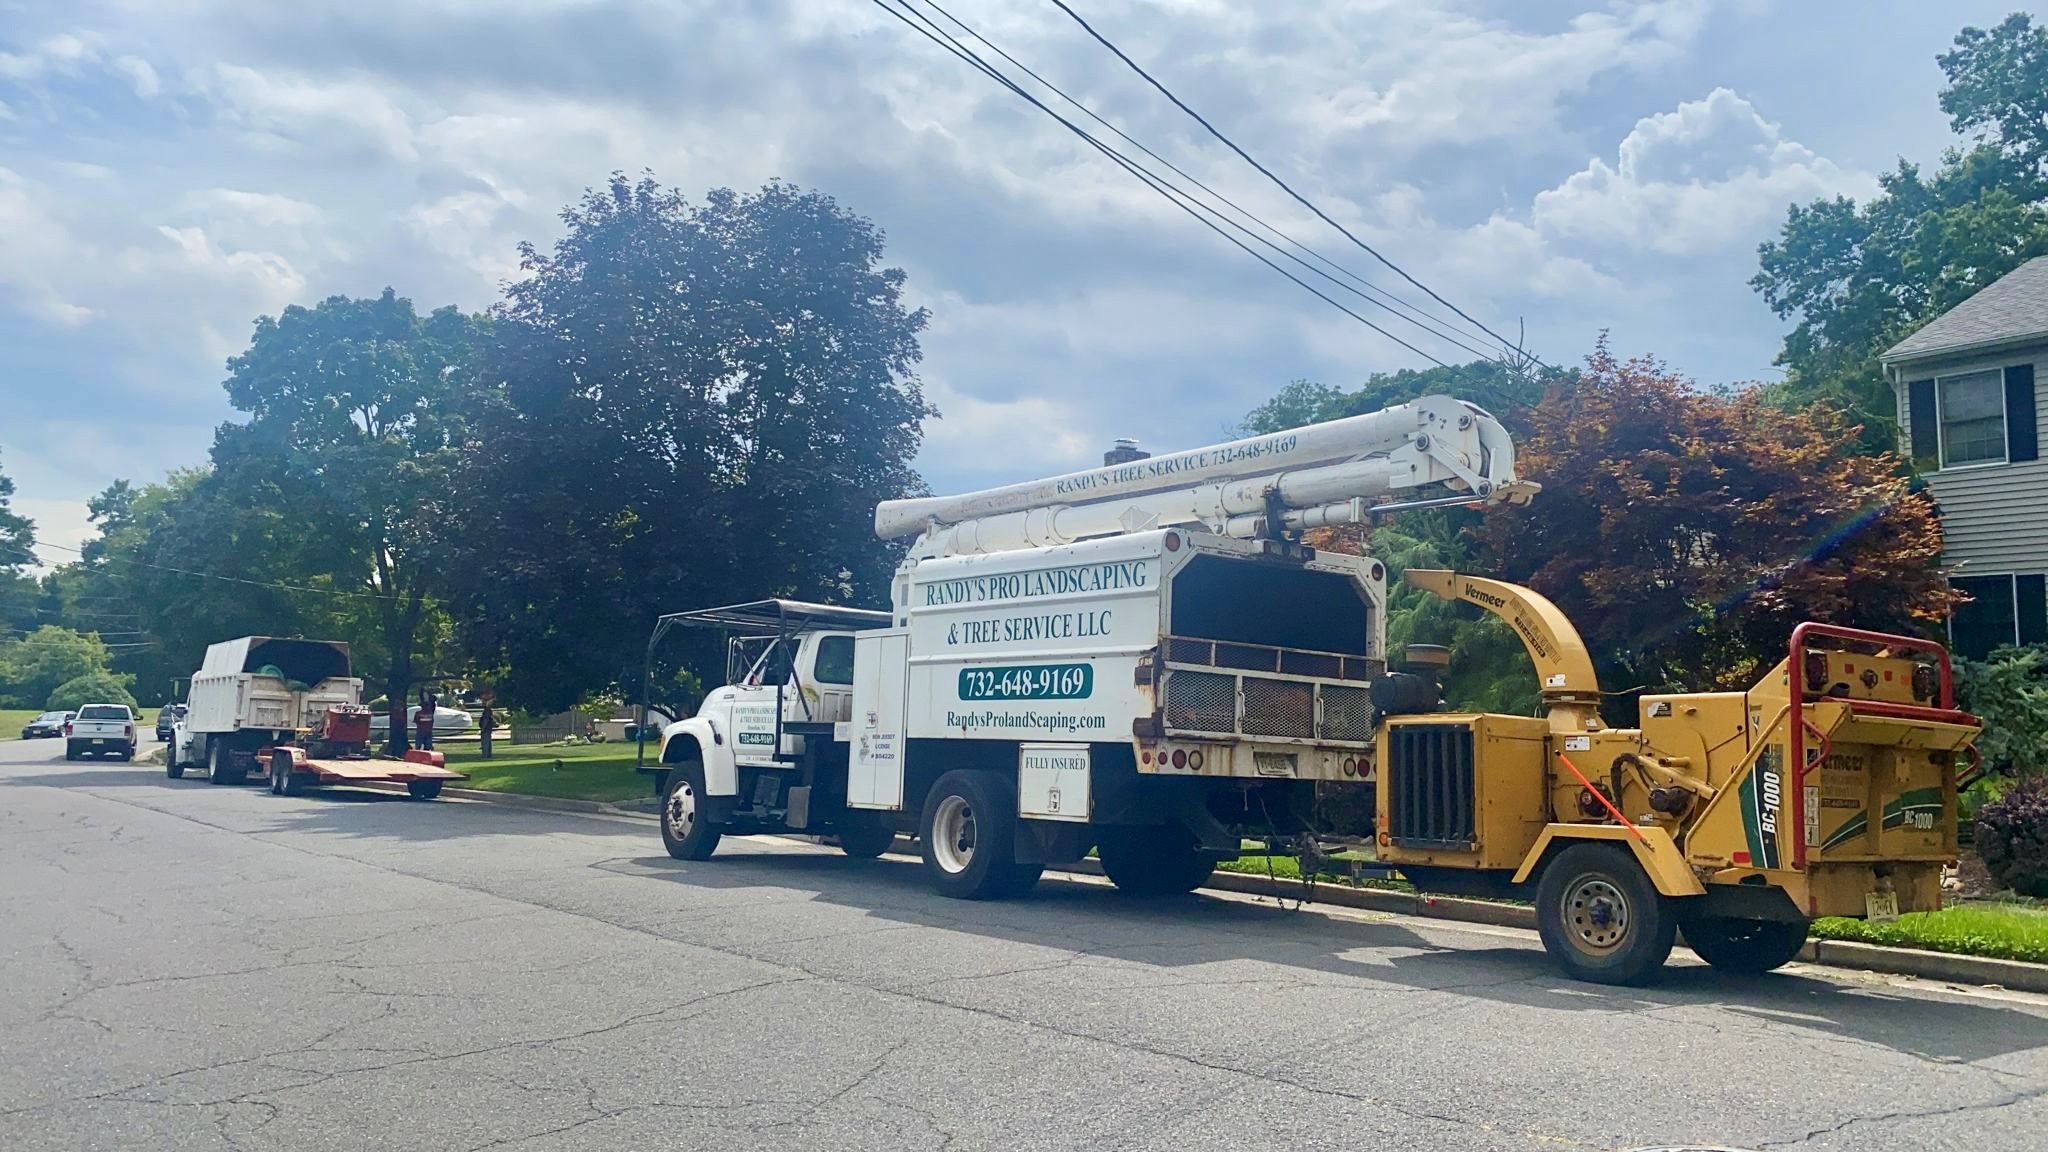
{"x": 1157, "y": 860}
{"x": 684, "y": 831}
{"x": 1745, "y": 947}
{"x": 970, "y": 838}
{"x": 1600, "y": 917}
{"x": 864, "y": 835}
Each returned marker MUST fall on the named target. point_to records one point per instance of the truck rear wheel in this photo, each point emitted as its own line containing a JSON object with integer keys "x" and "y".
{"x": 864, "y": 835}
{"x": 1747, "y": 947}
{"x": 220, "y": 765}
{"x": 684, "y": 830}
{"x": 1154, "y": 860}
{"x": 970, "y": 837}
{"x": 1600, "y": 917}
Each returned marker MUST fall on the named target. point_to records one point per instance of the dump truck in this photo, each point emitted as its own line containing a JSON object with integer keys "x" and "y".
{"x": 1826, "y": 789}
{"x": 1135, "y": 659}
{"x": 287, "y": 710}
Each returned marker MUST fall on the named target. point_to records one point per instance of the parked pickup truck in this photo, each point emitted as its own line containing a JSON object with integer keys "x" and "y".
{"x": 101, "y": 730}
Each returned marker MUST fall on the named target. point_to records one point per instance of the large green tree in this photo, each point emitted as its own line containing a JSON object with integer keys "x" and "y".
{"x": 357, "y": 424}
{"x": 1857, "y": 278}
{"x": 17, "y": 556}
{"x": 694, "y": 403}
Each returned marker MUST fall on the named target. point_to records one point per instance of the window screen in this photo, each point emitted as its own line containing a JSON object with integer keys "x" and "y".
{"x": 835, "y": 661}
{"x": 1972, "y": 418}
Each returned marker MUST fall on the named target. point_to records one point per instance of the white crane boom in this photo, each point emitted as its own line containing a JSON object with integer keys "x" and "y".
{"x": 1434, "y": 450}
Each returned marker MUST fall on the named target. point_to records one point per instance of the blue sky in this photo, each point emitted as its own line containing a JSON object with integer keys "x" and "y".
{"x": 171, "y": 169}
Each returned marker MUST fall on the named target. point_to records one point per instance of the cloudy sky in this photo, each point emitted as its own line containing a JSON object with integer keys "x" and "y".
{"x": 171, "y": 169}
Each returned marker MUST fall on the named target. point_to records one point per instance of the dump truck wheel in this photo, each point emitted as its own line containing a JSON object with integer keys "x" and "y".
{"x": 1600, "y": 917}
{"x": 422, "y": 789}
{"x": 684, "y": 830}
{"x": 172, "y": 768}
{"x": 864, "y": 835}
{"x": 1159, "y": 860}
{"x": 1748, "y": 947}
{"x": 220, "y": 765}
{"x": 969, "y": 834}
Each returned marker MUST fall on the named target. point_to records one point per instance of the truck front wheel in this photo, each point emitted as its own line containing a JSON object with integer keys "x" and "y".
{"x": 1154, "y": 860}
{"x": 1747, "y": 947}
{"x": 1600, "y": 917}
{"x": 684, "y": 830}
{"x": 970, "y": 837}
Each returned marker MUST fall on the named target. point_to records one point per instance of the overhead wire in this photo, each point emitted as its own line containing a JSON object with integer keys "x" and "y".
{"x": 1364, "y": 289}
{"x": 944, "y": 40}
{"x": 1507, "y": 345}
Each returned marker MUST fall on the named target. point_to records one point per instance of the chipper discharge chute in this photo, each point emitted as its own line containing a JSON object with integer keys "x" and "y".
{"x": 1827, "y": 789}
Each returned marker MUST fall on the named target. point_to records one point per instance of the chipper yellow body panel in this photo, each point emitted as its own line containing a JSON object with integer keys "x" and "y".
{"x": 1827, "y": 789}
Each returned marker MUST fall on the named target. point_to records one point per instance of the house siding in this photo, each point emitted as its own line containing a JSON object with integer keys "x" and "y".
{"x": 1994, "y": 518}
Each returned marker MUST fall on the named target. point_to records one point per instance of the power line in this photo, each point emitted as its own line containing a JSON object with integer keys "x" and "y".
{"x": 1506, "y": 344}
{"x": 275, "y": 584}
{"x": 1180, "y": 199}
{"x": 1366, "y": 289}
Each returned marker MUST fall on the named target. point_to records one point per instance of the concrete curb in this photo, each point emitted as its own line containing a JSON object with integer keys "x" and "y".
{"x": 516, "y": 800}
{"x": 1948, "y": 967}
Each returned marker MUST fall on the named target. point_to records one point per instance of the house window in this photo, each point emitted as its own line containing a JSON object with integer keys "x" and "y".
{"x": 2002, "y": 610}
{"x": 1971, "y": 408}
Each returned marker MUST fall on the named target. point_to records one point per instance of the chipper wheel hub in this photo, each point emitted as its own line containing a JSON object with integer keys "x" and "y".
{"x": 1597, "y": 914}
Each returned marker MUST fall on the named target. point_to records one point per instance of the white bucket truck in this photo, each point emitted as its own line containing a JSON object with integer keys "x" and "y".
{"x": 1137, "y": 659}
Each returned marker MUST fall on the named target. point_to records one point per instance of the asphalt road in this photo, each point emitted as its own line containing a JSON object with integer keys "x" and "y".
{"x": 184, "y": 966}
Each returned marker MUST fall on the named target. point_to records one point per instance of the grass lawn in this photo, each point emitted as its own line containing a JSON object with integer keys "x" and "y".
{"x": 568, "y": 771}
{"x": 11, "y": 720}
{"x": 1977, "y": 928}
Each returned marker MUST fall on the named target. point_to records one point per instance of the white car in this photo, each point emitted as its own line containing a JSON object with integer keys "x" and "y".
{"x": 448, "y": 721}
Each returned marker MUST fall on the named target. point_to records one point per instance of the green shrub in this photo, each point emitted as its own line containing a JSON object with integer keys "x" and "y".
{"x": 91, "y": 688}
{"x": 2011, "y": 835}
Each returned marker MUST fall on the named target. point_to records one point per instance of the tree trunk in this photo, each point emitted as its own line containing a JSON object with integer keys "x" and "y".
{"x": 400, "y": 628}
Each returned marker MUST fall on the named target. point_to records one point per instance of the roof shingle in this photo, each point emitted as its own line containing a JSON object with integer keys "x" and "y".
{"x": 2012, "y": 307}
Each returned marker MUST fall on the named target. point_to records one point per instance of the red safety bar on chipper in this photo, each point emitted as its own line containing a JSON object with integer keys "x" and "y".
{"x": 1946, "y": 713}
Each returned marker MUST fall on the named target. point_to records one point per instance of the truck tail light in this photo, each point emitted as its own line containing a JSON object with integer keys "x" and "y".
{"x": 1180, "y": 758}
{"x": 67, "y": 727}
{"x": 1195, "y": 759}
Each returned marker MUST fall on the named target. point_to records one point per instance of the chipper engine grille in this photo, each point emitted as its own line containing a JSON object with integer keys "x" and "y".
{"x": 1430, "y": 802}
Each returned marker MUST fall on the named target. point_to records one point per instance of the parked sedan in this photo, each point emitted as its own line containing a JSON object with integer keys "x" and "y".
{"x": 448, "y": 721}
{"x": 45, "y": 726}
{"x": 168, "y": 719}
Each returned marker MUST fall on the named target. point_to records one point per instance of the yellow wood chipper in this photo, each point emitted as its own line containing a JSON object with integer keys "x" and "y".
{"x": 1827, "y": 789}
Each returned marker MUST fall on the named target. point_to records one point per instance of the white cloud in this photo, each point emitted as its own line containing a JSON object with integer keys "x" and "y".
{"x": 141, "y": 76}
{"x": 56, "y": 54}
{"x": 315, "y": 113}
{"x": 1711, "y": 173}
{"x": 34, "y": 246}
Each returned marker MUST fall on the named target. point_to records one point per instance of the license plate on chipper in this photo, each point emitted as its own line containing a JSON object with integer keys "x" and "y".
{"x": 1273, "y": 763}
{"x": 1881, "y": 906}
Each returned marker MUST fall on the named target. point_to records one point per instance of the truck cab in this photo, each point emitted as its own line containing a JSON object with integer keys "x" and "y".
{"x": 779, "y": 688}
{"x": 761, "y": 750}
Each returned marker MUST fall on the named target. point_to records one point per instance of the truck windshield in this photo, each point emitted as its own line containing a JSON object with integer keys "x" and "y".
{"x": 103, "y": 712}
